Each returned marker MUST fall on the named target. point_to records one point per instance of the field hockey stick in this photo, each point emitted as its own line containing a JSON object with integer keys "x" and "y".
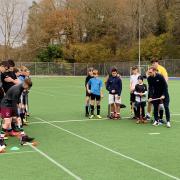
{"x": 115, "y": 109}
{"x": 122, "y": 106}
{"x": 156, "y": 99}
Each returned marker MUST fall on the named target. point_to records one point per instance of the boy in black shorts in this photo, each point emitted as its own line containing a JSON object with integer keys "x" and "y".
{"x": 88, "y": 96}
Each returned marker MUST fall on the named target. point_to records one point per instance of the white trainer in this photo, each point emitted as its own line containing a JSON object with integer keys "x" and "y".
{"x": 168, "y": 124}
{"x": 91, "y": 116}
{"x": 99, "y": 117}
{"x": 155, "y": 123}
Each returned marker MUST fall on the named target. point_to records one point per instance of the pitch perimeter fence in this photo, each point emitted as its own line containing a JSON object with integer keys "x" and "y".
{"x": 80, "y": 69}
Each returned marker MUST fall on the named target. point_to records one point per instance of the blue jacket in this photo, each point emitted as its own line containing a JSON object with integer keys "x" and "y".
{"x": 96, "y": 85}
{"x": 114, "y": 83}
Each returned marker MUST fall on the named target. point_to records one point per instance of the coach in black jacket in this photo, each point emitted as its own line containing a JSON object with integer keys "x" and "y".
{"x": 158, "y": 88}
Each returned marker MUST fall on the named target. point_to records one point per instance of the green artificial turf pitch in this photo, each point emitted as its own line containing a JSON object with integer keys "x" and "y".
{"x": 73, "y": 147}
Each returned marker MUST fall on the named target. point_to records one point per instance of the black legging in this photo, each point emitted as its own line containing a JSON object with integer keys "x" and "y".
{"x": 140, "y": 109}
{"x": 166, "y": 107}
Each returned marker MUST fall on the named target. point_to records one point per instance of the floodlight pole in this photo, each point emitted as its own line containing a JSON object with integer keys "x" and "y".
{"x": 139, "y": 59}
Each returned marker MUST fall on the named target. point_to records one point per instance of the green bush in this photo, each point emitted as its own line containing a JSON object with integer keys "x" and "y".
{"x": 51, "y": 53}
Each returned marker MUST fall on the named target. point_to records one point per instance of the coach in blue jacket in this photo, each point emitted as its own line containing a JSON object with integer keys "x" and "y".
{"x": 114, "y": 86}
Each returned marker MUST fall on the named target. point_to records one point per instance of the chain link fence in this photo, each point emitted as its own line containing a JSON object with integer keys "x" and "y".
{"x": 80, "y": 69}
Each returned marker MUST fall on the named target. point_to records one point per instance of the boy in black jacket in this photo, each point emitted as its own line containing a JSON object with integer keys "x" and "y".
{"x": 158, "y": 93}
{"x": 114, "y": 86}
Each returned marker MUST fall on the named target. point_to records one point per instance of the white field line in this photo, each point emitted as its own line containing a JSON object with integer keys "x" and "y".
{"x": 55, "y": 162}
{"x": 84, "y": 120}
{"x": 153, "y": 133}
{"x": 12, "y": 153}
{"x": 112, "y": 151}
{"x": 67, "y": 121}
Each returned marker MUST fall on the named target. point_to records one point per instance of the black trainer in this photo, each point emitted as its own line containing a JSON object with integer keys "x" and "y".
{"x": 24, "y": 139}
{"x": 87, "y": 115}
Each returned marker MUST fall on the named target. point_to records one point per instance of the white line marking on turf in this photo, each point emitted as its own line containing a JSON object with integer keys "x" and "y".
{"x": 84, "y": 120}
{"x": 22, "y": 152}
{"x": 153, "y": 133}
{"x": 55, "y": 162}
{"x": 112, "y": 151}
{"x": 67, "y": 121}
{"x": 77, "y": 120}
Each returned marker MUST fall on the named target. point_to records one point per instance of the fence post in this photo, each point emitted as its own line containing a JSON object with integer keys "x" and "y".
{"x": 48, "y": 68}
{"x": 61, "y": 69}
{"x": 164, "y": 63}
{"x": 74, "y": 69}
{"x": 35, "y": 69}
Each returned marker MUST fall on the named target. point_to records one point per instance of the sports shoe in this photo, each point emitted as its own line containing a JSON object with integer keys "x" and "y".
{"x": 2, "y": 146}
{"x": 131, "y": 116}
{"x": 118, "y": 116}
{"x": 24, "y": 139}
{"x": 99, "y": 117}
{"x": 155, "y": 123}
{"x": 27, "y": 114}
{"x": 168, "y": 124}
{"x": 138, "y": 121}
{"x": 144, "y": 121}
{"x": 161, "y": 121}
{"x": 148, "y": 118}
{"x": 6, "y": 138}
{"x": 91, "y": 116}
{"x": 25, "y": 122}
{"x": 87, "y": 115}
{"x": 111, "y": 116}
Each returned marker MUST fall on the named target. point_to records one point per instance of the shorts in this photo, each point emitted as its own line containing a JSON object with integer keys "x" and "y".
{"x": 132, "y": 97}
{"x": 8, "y": 112}
{"x": 95, "y": 97}
{"x": 114, "y": 98}
{"x": 87, "y": 94}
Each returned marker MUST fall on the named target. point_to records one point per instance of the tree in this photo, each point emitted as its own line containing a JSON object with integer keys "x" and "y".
{"x": 112, "y": 25}
{"x": 12, "y": 19}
